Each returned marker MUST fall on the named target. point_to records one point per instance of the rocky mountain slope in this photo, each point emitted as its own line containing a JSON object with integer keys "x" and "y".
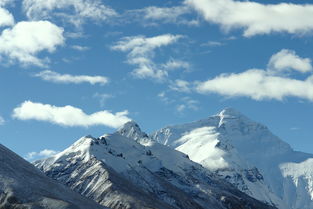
{"x": 22, "y": 186}
{"x": 128, "y": 170}
{"x": 248, "y": 155}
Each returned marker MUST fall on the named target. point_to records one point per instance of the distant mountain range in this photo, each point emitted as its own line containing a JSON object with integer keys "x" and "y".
{"x": 225, "y": 161}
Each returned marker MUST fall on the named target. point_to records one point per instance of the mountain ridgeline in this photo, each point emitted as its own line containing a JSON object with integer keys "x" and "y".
{"x": 128, "y": 169}
{"x": 22, "y": 186}
{"x": 225, "y": 161}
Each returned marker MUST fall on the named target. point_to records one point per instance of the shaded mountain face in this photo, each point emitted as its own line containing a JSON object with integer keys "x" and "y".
{"x": 248, "y": 155}
{"x": 122, "y": 172}
{"x": 22, "y": 186}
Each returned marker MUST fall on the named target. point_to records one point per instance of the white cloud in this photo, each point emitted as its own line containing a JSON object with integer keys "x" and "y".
{"x": 68, "y": 115}
{"x": 256, "y": 18}
{"x": 165, "y": 13}
{"x": 261, "y": 84}
{"x": 55, "y": 77}
{"x": 1, "y": 121}
{"x": 180, "y": 85}
{"x": 80, "y": 48}
{"x": 25, "y": 40}
{"x": 141, "y": 51}
{"x": 173, "y": 64}
{"x": 41, "y": 154}
{"x": 213, "y": 43}
{"x": 286, "y": 60}
{"x": 5, "y": 2}
{"x": 175, "y": 14}
{"x": 74, "y": 11}
{"x": 6, "y": 18}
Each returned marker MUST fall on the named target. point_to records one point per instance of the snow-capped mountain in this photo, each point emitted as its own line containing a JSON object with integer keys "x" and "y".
{"x": 248, "y": 155}
{"x": 22, "y": 186}
{"x": 128, "y": 170}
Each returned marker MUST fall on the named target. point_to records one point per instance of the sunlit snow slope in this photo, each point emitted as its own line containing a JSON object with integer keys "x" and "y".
{"x": 248, "y": 155}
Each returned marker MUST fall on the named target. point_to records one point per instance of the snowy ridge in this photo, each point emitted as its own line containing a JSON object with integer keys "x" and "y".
{"x": 156, "y": 176}
{"x": 22, "y": 186}
{"x": 247, "y": 155}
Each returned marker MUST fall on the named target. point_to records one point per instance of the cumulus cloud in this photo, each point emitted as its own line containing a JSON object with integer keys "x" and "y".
{"x": 55, "y": 77}
{"x": 287, "y": 60}
{"x": 261, "y": 84}
{"x": 256, "y": 18}
{"x": 68, "y": 115}
{"x": 77, "y": 11}
{"x": 41, "y": 154}
{"x": 6, "y": 18}
{"x": 141, "y": 51}
{"x": 25, "y": 40}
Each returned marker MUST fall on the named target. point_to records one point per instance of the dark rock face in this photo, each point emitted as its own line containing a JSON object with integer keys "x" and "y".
{"x": 22, "y": 186}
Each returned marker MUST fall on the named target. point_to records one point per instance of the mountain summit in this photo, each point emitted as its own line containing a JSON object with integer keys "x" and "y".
{"x": 230, "y": 112}
{"x": 132, "y": 130}
{"x": 226, "y": 161}
{"x": 247, "y": 155}
{"x": 127, "y": 169}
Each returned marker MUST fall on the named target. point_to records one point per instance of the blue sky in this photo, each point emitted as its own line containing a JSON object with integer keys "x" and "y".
{"x": 70, "y": 68}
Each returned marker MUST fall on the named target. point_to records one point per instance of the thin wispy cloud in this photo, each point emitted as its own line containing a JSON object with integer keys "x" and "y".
{"x": 159, "y": 15}
{"x": 165, "y": 98}
{"x": 1, "y": 120}
{"x": 256, "y": 18}
{"x": 187, "y": 104}
{"x": 80, "y": 10}
{"x": 260, "y": 84}
{"x": 41, "y": 154}
{"x": 55, "y": 77}
{"x": 25, "y": 40}
{"x": 180, "y": 85}
{"x": 174, "y": 64}
{"x": 68, "y": 115}
{"x": 103, "y": 98}
{"x": 213, "y": 44}
{"x": 141, "y": 51}
{"x": 80, "y": 48}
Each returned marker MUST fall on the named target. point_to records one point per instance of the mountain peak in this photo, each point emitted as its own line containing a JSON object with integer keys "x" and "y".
{"x": 132, "y": 130}
{"x": 230, "y": 112}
